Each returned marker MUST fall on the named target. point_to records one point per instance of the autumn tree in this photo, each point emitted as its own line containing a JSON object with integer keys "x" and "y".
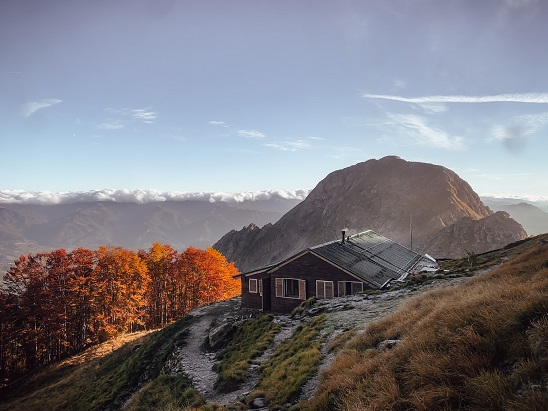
{"x": 83, "y": 290}
{"x": 161, "y": 261}
{"x": 122, "y": 280}
{"x": 209, "y": 276}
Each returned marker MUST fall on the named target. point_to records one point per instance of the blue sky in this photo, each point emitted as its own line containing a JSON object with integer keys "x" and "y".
{"x": 260, "y": 95}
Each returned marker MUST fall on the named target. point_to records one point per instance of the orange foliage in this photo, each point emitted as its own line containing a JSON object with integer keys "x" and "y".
{"x": 55, "y": 304}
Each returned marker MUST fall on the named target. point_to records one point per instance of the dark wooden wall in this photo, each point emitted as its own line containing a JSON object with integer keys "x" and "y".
{"x": 307, "y": 267}
{"x": 252, "y": 300}
{"x": 310, "y": 268}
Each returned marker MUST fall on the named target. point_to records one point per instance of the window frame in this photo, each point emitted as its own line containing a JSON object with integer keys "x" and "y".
{"x": 281, "y": 288}
{"x": 342, "y": 285}
{"x": 254, "y": 289}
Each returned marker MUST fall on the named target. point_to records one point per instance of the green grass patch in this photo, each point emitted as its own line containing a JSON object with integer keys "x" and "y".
{"x": 340, "y": 340}
{"x": 249, "y": 342}
{"x": 291, "y": 365}
{"x": 116, "y": 380}
{"x": 102, "y": 383}
{"x": 304, "y": 305}
{"x": 166, "y": 393}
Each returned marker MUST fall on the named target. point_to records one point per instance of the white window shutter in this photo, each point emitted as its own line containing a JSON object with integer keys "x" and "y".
{"x": 279, "y": 287}
{"x": 341, "y": 285}
{"x": 319, "y": 289}
{"x": 329, "y": 289}
{"x": 302, "y": 289}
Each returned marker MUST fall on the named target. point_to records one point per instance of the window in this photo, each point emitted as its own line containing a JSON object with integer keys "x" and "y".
{"x": 324, "y": 289}
{"x": 349, "y": 287}
{"x": 252, "y": 285}
{"x": 291, "y": 288}
{"x": 261, "y": 287}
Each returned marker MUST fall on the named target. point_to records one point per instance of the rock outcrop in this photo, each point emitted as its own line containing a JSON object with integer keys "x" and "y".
{"x": 479, "y": 236}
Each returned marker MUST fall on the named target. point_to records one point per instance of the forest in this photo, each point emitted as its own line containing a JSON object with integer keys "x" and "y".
{"x": 56, "y": 304}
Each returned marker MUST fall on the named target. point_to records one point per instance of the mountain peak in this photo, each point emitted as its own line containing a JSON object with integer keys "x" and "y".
{"x": 382, "y": 195}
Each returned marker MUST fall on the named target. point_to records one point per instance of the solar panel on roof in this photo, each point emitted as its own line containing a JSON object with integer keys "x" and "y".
{"x": 370, "y": 256}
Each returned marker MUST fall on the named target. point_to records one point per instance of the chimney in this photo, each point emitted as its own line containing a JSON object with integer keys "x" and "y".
{"x": 343, "y": 233}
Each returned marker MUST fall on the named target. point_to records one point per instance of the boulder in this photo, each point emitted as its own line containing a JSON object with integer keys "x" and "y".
{"x": 387, "y": 344}
{"x": 218, "y": 335}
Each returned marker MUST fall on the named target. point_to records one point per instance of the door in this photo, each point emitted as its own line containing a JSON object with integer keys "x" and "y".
{"x": 267, "y": 292}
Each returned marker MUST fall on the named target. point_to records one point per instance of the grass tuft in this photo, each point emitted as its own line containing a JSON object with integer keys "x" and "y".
{"x": 248, "y": 343}
{"x": 291, "y": 365}
{"x": 166, "y": 393}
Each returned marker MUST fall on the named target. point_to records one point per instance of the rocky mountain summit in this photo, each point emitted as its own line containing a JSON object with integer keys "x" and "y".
{"x": 390, "y": 196}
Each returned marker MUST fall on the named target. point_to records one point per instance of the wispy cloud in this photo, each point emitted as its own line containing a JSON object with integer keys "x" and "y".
{"x": 433, "y": 108}
{"x": 251, "y": 133}
{"x": 294, "y": 145}
{"x": 31, "y": 107}
{"x": 114, "y": 125}
{"x": 399, "y": 83}
{"x": 341, "y": 152}
{"x": 420, "y": 132}
{"x": 217, "y": 123}
{"x": 519, "y": 3}
{"x": 144, "y": 115}
{"x": 537, "y": 98}
{"x": 503, "y": 176}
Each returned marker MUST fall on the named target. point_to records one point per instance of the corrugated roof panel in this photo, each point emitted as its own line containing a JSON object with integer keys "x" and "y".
{"x": 370, "y": 256}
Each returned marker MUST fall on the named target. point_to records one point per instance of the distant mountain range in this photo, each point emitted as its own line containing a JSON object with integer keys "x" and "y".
{"x": 389, "y": 196}
{"x": 30, "y": 228}
{"x": 533, "y": 218}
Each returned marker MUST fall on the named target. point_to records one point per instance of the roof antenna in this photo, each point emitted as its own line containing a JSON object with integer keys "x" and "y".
{"x": 411, "y": 229}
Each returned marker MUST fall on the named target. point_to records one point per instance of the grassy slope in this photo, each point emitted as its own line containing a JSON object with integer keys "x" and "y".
{"x": 478, "y": 346}
{"x": 482, "y": 345}
{"x": 105, "y": 382}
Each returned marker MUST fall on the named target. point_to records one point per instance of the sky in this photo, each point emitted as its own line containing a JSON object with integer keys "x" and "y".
{"x": 250, "y": 95}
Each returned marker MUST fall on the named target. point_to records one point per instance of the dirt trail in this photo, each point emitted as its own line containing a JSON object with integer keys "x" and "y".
{"x": 193, "y": 358}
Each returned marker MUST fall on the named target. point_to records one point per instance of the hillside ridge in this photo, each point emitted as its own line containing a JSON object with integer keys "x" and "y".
{"x": 151, "y": 372}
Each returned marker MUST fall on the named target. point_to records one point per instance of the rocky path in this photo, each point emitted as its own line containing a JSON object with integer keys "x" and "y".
{"x": 196, "y": 361}
{"x": 193, "y": 358}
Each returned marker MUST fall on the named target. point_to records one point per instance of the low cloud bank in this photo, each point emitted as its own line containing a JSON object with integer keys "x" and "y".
{"x": 143, "y": 196}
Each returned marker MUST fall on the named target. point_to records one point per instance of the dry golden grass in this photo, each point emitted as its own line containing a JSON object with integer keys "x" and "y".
{"x": 482, "y": 345}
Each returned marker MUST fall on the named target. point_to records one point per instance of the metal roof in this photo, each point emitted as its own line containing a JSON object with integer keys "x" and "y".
{"x": 371, "y": 257}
